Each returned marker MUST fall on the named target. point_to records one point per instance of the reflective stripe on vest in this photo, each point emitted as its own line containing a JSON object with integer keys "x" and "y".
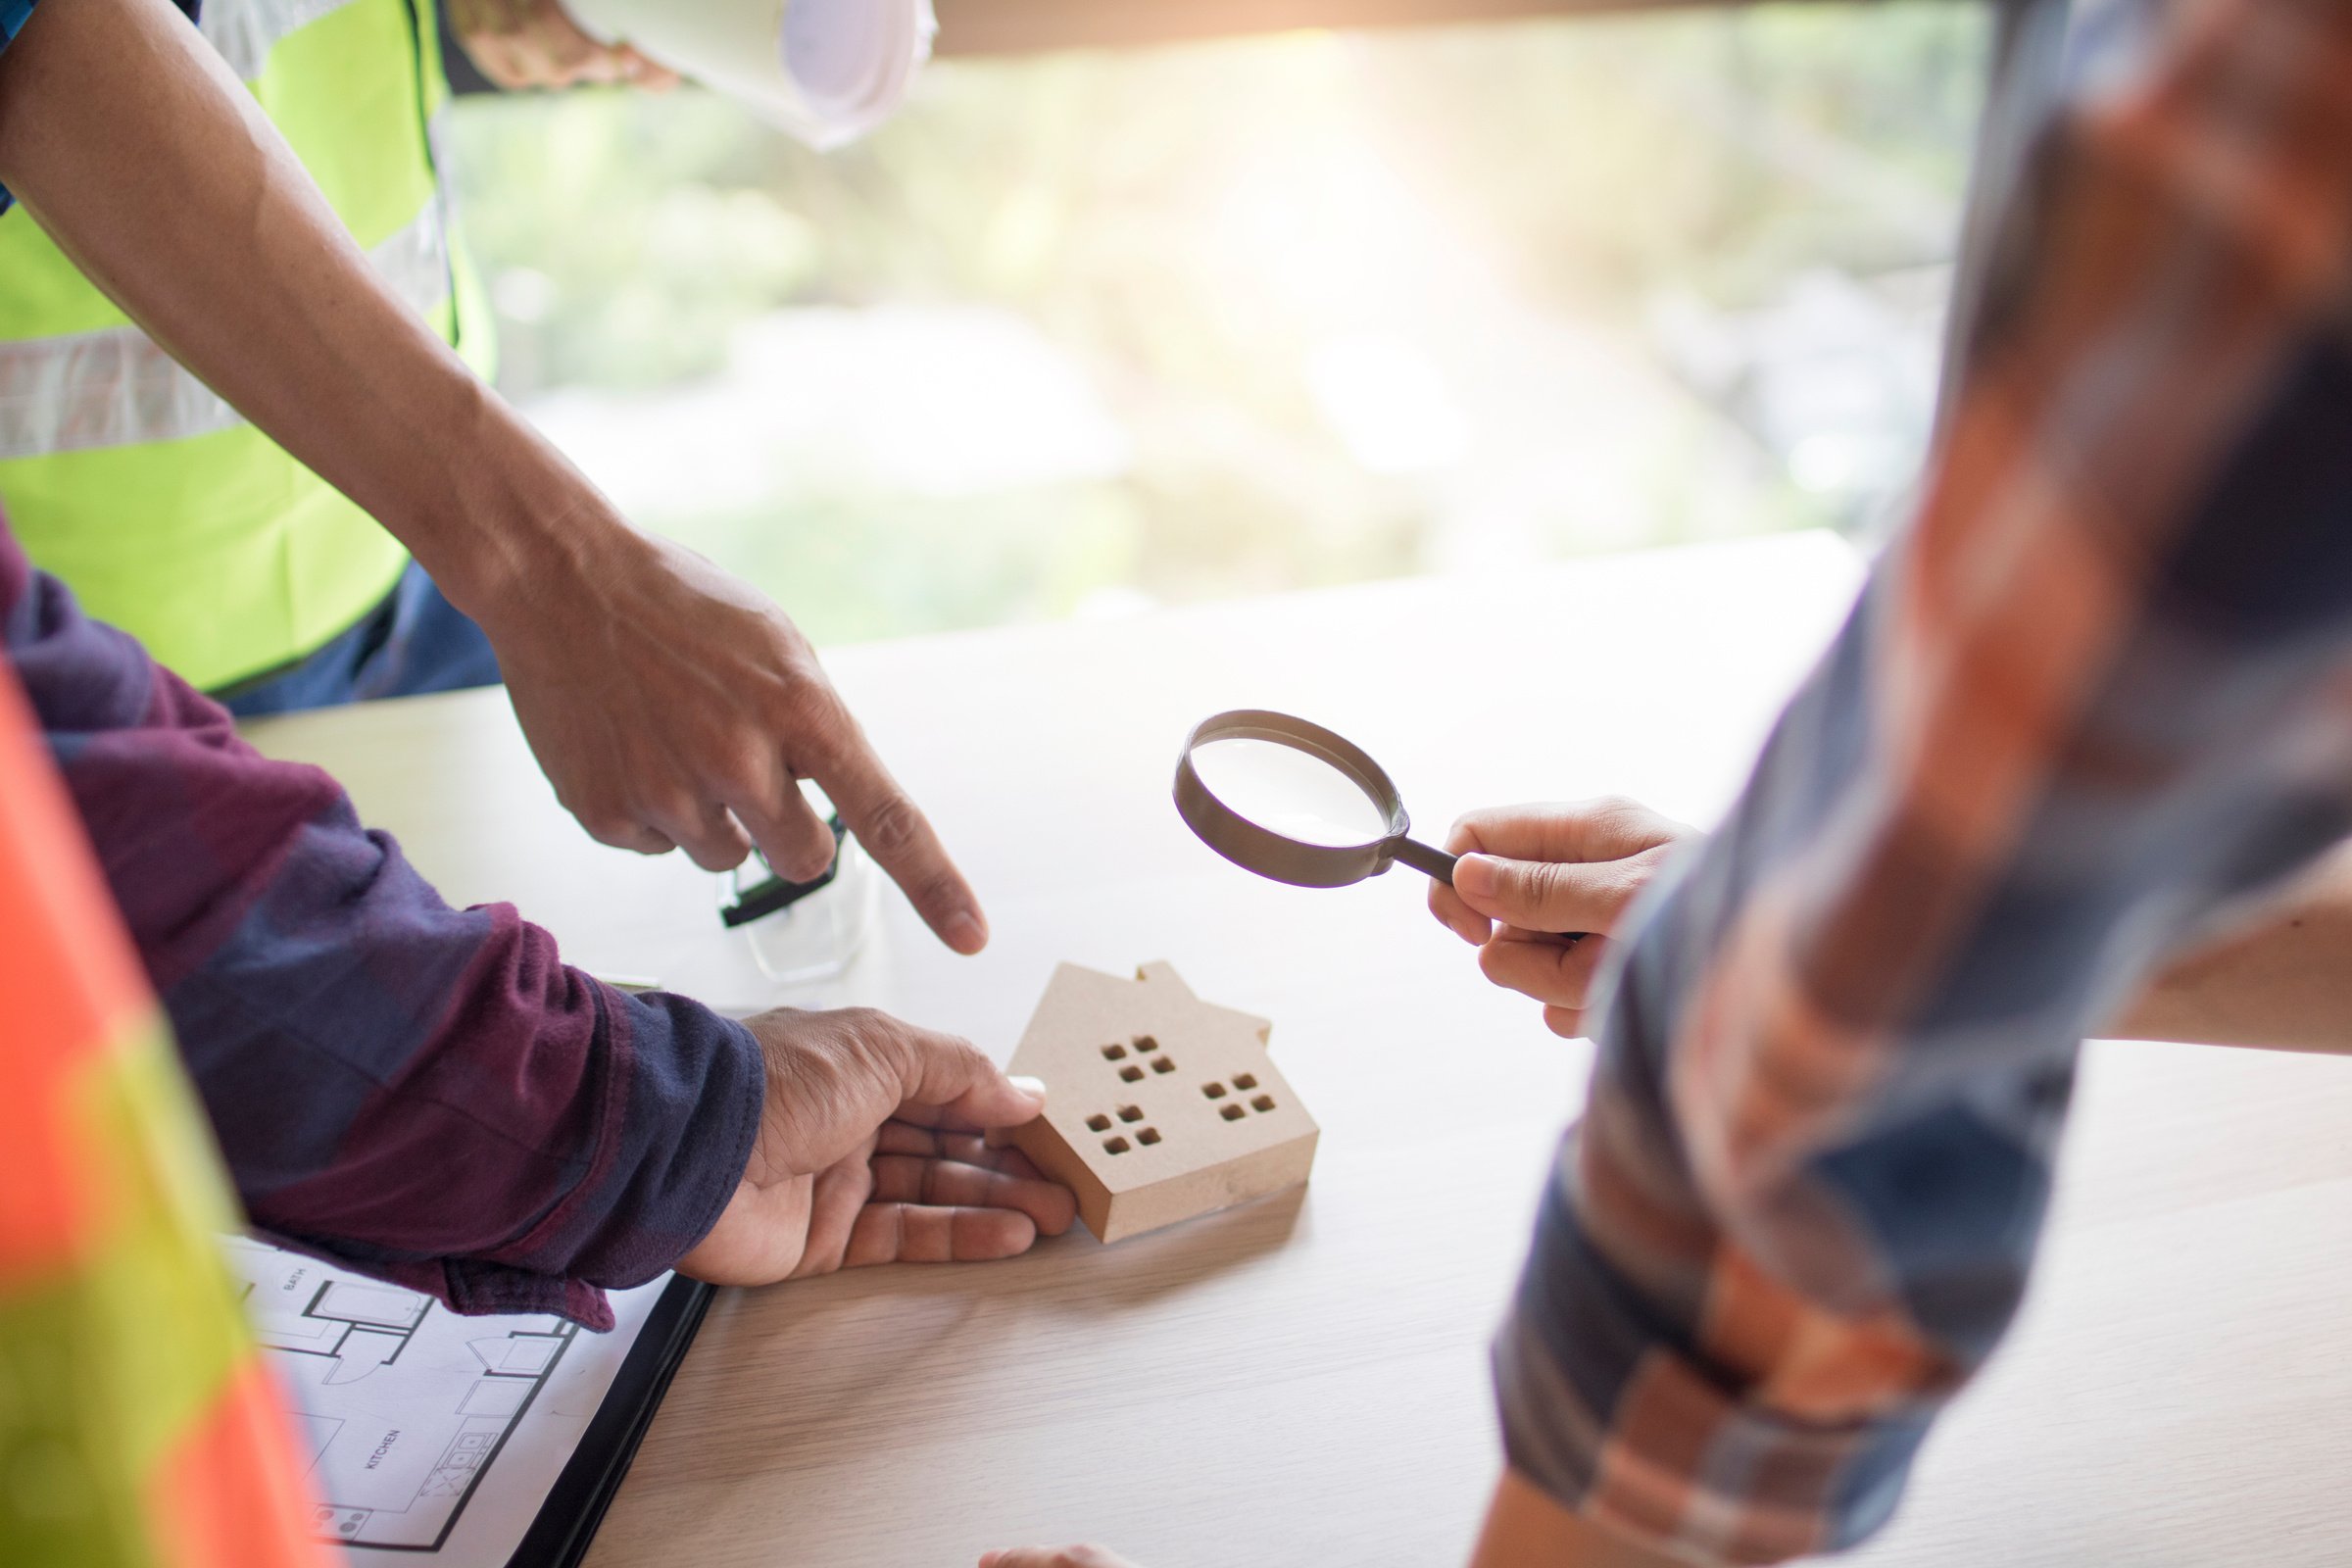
{"x": 166, "y": 512}
{"x": 115, "y": 386}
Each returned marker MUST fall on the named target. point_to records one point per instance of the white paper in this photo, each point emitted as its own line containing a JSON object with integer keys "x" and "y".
{"x": 428, "y": 1438}
{"x": 824, "y": 70}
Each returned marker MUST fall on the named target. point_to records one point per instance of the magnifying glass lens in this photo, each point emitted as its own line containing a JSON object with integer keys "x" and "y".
{"x": 1287, "y": 790}
{"x": 1292, "y": 801}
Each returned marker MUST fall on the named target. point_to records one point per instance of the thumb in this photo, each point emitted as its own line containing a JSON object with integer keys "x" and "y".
{"x": 949, "y": 1081}
{"x": 1537, "y": 895}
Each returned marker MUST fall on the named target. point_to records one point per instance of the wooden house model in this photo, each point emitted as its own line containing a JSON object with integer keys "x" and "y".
{"x": 1159, "y": 1105}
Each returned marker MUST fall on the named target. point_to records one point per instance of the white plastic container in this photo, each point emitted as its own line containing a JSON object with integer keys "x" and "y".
{"x": 816, "y": 937}
{"x": 824, "y": 70}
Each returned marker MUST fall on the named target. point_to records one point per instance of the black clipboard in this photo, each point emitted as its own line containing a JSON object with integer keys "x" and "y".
{"x": 559, "y": 1537}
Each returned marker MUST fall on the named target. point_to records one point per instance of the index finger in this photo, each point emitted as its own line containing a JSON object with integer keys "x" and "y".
{"x": 643, "y": 71}
{"x": 900, "y": 838}
{"x": 920, "y": 1233}
{"x": 952, "y": 1183}
{"x": 1455, "y": 915}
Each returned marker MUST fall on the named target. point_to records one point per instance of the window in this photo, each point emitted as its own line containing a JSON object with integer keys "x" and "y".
{"x": 1079, "y": 333}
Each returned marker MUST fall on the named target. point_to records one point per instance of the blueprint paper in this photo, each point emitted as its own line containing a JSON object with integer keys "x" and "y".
{"x": 429, "y": 1438}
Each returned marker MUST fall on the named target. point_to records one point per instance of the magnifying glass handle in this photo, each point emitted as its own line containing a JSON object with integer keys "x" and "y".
{"x": 1421, "y": 858}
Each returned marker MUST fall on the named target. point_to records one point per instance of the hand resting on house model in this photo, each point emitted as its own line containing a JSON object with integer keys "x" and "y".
{"x": 869, "y": 1152}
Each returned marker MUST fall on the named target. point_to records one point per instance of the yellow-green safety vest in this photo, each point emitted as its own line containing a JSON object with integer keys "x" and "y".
{"x": 163, "y": 510}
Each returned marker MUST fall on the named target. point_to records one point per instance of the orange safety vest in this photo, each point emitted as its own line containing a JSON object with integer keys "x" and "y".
{"x": 137, "y": 1423}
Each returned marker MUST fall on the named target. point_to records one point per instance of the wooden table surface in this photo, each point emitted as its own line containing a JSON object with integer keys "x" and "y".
{"x": 1304, "y": 1382}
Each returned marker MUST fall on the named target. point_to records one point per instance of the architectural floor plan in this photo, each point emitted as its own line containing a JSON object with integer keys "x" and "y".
{"x": 425, "y": 1433}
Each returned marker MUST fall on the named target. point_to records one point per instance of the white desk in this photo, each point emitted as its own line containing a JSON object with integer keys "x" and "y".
{"x": 1304, "y": 1382}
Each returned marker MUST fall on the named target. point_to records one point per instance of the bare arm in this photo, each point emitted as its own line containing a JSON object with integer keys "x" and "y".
{"x": 1526, "y": 1528}
{"x": 668, "y": 703}
{"x": 131, "y": 143}
{"x": 2285, "y": 983}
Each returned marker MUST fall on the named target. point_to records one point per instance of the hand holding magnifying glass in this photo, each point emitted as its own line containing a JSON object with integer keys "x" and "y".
{"x": 1293, "y": 801}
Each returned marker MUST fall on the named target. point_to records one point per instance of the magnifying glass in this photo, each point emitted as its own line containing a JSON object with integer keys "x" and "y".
{"x": 1293, "y": 801}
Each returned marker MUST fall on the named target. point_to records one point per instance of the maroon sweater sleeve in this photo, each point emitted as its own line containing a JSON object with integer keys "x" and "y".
{"x": 425, "y": 1094}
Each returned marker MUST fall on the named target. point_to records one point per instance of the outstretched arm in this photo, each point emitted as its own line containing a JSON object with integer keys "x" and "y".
{"x": 2096, "y": 696}
{"x": 431, "y": 1094}
{"x": 668, "y": 703}
{"x": 423, "y": 1092}
{"x": 2281, "y": 978}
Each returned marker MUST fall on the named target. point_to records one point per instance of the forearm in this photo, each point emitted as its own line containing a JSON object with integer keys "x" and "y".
{"x": 1526, "y": 1529}
{"x": 2285, "y": 982}
{"x": 129, "y": 141}
{"x": 424, "y": 1093}
{"x": 432, "y": 1094}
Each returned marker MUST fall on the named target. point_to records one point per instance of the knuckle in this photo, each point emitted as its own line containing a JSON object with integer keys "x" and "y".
{"x": 978, "y": 1062}
{"x": 892, "y": 825}
{"x": 1632, "y": 824}
{"x": 805, "y": 703}
{"x": 1546, "y": 883}
{"x": 1616, "y": 815}
{"x": 738, "y": 763}
{"x": 941, "y": 891}
{"x": 795, "y": 853}
{"x": 716, "y": 853}
{"x": 608, "y": 826}
{"x": 884, "y": 1039}
{"x": 1623, "y": 884}
{"x": 583, "y": 804}
{"x": 673, "y": 806}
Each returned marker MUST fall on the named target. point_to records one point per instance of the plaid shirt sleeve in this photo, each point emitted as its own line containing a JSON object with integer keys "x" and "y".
{"x": 2097, "y": 696}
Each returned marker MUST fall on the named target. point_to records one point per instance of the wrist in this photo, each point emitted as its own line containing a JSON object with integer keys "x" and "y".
{"x": 515, "y": 521}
